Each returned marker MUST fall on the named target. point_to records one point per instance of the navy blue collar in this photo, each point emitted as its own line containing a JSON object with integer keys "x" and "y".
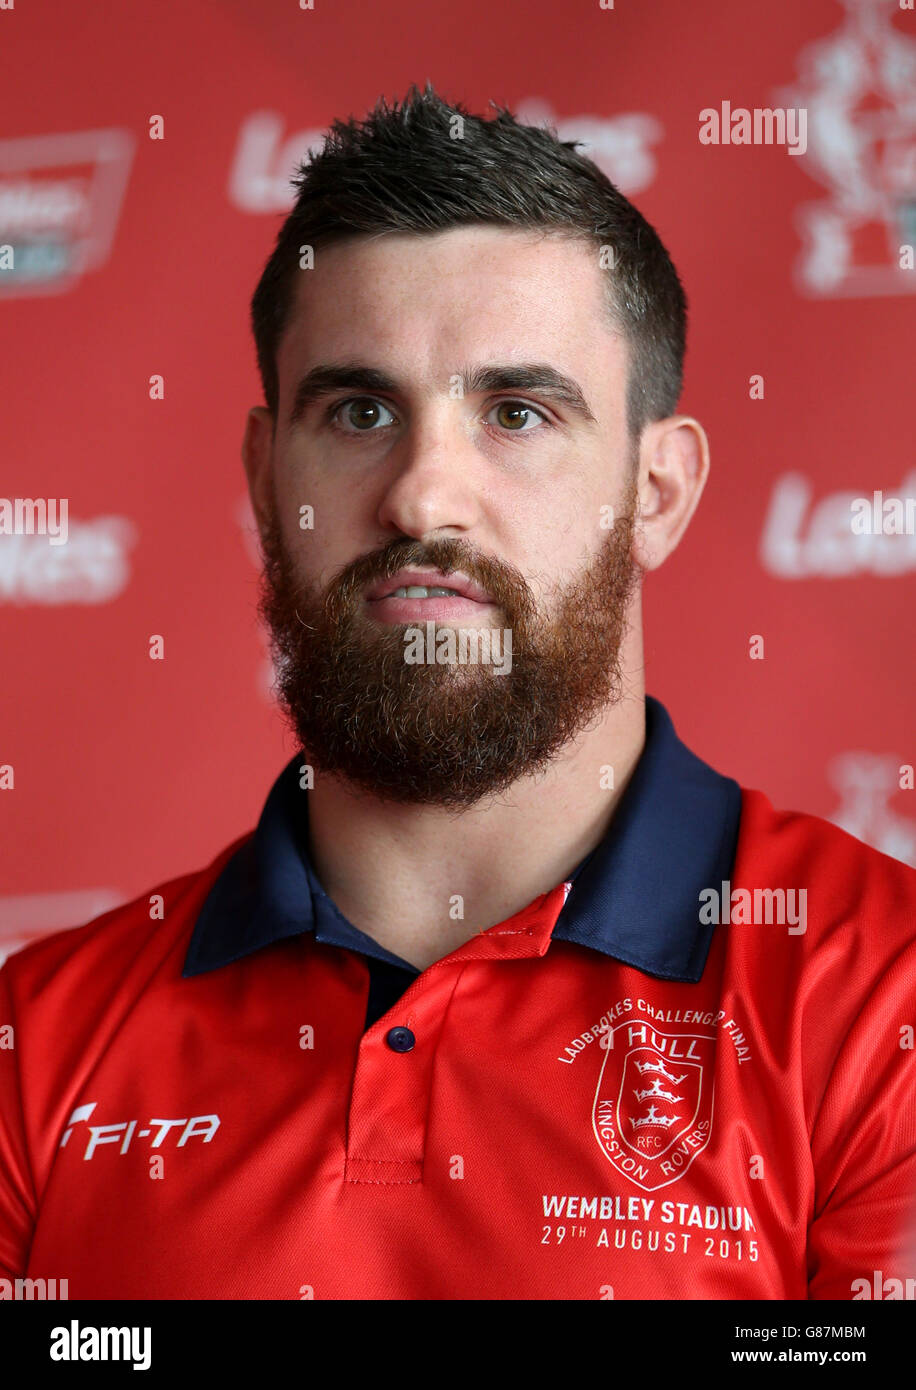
{"x": 636, "y": 896}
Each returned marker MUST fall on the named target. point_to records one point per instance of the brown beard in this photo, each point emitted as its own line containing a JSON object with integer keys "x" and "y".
{"x": 439, "y": 734}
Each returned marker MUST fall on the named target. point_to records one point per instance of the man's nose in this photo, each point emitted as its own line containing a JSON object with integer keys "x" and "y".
{"x": 435, "y": 484}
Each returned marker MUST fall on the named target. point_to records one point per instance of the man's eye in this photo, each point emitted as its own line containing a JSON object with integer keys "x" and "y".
{"x": 517, "y": 416}
{"x": 361, "y": 415}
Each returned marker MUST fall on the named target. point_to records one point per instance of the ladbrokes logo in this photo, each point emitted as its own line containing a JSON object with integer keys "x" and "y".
{"x": 620, "y": 145}
{"x": 60, "y": 197}
{"x": 653, "y": 1104}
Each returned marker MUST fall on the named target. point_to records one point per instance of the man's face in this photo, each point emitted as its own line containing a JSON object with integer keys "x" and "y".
{"x": 518, "y": 491}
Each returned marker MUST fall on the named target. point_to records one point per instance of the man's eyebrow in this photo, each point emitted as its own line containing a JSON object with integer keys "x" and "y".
{"x": 539, "y": 378}
{"x": 327, "y": 378}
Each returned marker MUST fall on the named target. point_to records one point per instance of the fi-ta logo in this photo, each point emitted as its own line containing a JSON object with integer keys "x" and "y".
{"x": 158, "y": 1132}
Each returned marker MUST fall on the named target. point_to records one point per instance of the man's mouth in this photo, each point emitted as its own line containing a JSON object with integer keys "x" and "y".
{"x": 422, "y": 591}
{"x": 412, "y": 594}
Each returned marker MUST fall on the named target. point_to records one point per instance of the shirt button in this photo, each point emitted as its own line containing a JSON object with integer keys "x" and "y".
{"x": 400, "y": 1039}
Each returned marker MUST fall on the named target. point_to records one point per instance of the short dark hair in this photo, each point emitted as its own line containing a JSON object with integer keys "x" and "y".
{"x": 403, "y": 170}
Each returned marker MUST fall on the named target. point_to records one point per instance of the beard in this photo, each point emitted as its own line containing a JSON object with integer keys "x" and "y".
{"x": 444, "y": 734}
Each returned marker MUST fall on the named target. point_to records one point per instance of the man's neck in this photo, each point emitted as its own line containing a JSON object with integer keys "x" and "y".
{"x": 423, "y": 880}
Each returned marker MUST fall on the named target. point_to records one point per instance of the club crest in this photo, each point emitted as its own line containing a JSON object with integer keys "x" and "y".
{"x": 654, "y": 1102}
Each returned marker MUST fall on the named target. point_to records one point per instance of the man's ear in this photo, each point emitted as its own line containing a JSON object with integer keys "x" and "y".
{"x": 673, "y": 468}
{"x": 257, "y": 451}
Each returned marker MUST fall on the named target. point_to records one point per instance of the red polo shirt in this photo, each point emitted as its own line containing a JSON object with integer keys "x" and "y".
{"x": 686, "y": 1072}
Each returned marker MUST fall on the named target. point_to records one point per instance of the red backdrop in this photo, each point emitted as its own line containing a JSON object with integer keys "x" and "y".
{"x": 135, "y": 257}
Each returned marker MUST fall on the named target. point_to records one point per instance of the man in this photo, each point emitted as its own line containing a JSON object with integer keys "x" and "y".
{"x": 509, "y": 995}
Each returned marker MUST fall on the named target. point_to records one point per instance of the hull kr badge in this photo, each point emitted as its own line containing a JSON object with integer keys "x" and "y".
{"x": 654, "y": 1103}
